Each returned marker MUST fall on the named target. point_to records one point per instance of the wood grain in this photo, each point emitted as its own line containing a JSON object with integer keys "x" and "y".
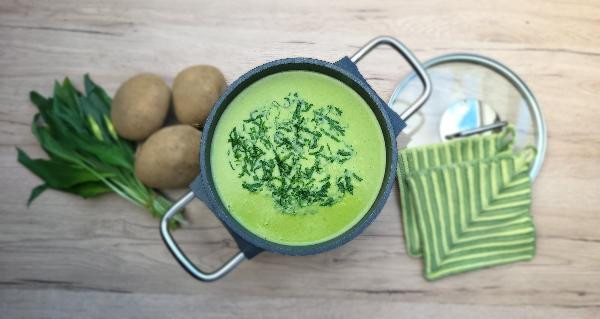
{"x": 68, "y": 257}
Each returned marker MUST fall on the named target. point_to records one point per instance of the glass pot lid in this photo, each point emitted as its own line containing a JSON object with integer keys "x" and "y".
{"x": 471, "y": 94}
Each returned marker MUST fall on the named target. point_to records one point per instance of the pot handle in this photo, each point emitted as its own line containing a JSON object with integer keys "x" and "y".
{"x": 183, "y": 260}
{"x": 411, "y": 59}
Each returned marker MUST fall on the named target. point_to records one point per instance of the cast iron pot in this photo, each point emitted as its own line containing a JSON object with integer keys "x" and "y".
{"x": 203, "y": 187}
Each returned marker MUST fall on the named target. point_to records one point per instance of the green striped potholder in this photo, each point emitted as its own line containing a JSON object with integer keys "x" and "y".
{"x": 474, "y": 214}
{"x": 423, "y": 157}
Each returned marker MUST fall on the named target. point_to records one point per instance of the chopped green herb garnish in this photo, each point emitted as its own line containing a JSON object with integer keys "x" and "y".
{"x": 281, "y": 148}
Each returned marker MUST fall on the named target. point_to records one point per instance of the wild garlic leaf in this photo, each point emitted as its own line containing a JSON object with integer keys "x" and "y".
{"x": 56, "y": 173}
{"x": 88, "y": 84}
{"x": 89, "y": 189}
{"x": 106, "y": 153}
{"x": 92, "y": 89}
{"x": 55, "y": 149}
{"x": 35, "y": 192}
{"x": 66, "y": 94}
{"x": 39, "y": 101}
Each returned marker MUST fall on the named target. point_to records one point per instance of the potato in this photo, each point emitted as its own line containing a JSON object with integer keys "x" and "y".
{"x": 169, "y": 158}
{"x": 140, "y": 106}
{"x": 195, "y": 91}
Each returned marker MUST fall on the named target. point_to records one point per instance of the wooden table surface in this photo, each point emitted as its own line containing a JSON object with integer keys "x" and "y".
{"x": 69, "y": 257}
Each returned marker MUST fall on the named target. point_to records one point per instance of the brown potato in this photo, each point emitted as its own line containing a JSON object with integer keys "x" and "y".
{"x": 195, "y": 91}
{"x": 169, "y": 158}
{"x": 140, "y": 106}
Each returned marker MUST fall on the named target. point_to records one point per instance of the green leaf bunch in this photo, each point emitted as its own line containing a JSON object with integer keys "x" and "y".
{"x": 86, "y": 157}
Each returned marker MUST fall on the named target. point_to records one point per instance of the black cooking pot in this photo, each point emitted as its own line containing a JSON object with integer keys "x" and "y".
{"x": 203, "y": 187}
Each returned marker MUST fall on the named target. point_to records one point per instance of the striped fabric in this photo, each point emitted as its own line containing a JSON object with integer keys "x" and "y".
{"x": 456, "y": 151}
{"x": 473, "y": 214}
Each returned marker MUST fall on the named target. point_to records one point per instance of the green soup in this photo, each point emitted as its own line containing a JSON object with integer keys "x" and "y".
{"x": 298, "y": 158}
